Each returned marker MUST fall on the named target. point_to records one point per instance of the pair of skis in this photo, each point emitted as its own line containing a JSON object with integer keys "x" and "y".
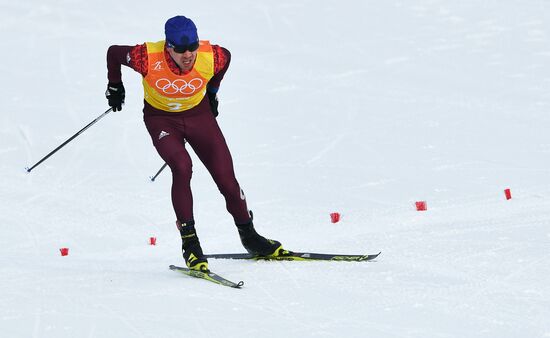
{"x": 291, "y": 256}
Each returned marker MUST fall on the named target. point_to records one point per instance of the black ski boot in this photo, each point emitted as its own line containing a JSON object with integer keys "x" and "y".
{"x": 258, "y": 245}
{"x": 191, "y": 247}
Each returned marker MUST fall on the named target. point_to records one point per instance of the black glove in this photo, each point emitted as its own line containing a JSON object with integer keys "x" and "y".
{"x": 213, "y": 98}
{"x": 115, "y": 93}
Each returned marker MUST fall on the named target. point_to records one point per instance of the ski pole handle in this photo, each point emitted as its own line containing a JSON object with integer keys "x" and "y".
{"x": 69, "y": 140}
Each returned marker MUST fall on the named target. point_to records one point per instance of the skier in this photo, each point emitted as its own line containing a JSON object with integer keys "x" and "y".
{"x": 181, "y": 76}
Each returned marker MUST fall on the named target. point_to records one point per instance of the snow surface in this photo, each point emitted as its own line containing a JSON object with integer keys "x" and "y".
{"x": 360, "y": 107}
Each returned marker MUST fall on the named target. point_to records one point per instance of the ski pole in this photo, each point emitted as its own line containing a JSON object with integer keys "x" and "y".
{"x": 69, "y": 140}
{"x": 158, "y": 172}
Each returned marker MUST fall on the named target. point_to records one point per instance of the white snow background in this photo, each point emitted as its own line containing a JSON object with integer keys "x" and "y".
{"x": 359, "y": 107}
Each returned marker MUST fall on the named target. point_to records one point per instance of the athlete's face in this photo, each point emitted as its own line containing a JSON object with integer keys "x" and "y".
{"x": 184, "y": 60}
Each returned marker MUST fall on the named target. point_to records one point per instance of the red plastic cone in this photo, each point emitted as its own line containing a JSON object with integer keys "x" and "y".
{"x": 508, "y": 194}
{"x": 421, "y": 206}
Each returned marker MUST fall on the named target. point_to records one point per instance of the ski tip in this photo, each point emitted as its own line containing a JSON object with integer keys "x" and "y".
{"x": 369, "y": 257}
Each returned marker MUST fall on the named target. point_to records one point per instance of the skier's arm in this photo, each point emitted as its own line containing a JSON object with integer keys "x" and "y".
{"x": 222, "y": 57}
{"x": 134, "y": 57}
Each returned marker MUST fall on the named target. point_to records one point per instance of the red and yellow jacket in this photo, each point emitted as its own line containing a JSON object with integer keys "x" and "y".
{"x": 138, "y": 58}
{"x": 166, "y": 90}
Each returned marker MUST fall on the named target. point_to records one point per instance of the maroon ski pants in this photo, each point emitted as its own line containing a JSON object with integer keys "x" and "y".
{"x": 200, "y": 130}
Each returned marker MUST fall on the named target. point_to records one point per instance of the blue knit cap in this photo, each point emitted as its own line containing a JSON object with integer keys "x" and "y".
{"x": 181, "y": 31}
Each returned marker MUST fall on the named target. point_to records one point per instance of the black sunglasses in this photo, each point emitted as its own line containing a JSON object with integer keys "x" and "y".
{"x": 182, "y": 49}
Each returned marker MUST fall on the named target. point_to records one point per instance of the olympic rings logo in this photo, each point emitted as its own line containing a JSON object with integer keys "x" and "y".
{"x": 179, "y": 86}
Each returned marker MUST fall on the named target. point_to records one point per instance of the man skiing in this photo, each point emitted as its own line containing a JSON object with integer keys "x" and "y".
{"x": 181, "y": 76}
